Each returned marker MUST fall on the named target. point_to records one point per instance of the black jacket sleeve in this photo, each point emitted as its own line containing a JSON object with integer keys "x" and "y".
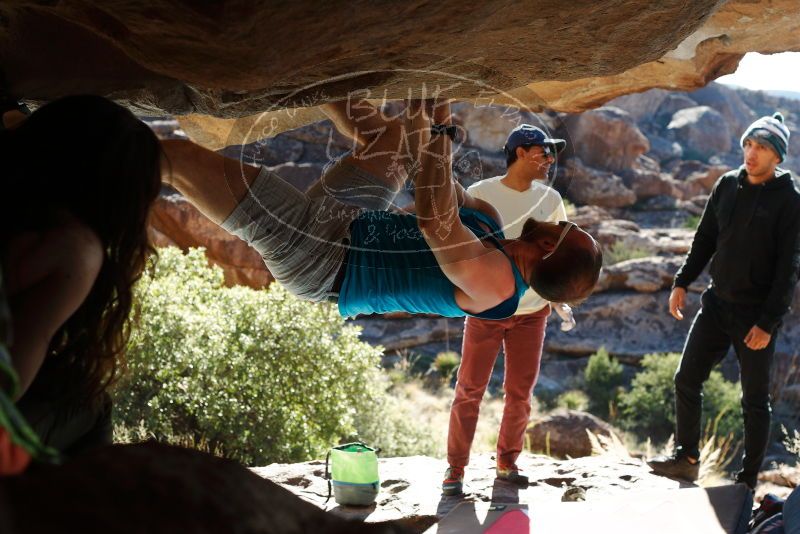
{"x": 703, "y": 246}
{"x": 787, "y": 269}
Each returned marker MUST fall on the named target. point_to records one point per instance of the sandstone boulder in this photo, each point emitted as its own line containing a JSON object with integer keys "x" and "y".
{"x": 487, "y": 127}
{"x": 591, "y": 186}
{"x": 641, "y": 106}
{"x": 628, "y": 324}
{"x": 727, "y": 101}
{"x": 644, "y": 275}
{"x": 607, "y": 138}
{"x": 590, "y": 216}
{"x": 702, "y": 132}
{"x": 613, "y": 231}
{"x": 669, "y": 240}
{"x": 664, "y": 150}
{"x": 698, "y": 178}
{"x": 646, "y": 180}
{"x": 673, "y": 103}
{"x": 563, "y": 433}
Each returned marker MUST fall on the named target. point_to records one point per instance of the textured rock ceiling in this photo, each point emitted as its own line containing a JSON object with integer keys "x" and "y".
{"x": 214, "y": 63}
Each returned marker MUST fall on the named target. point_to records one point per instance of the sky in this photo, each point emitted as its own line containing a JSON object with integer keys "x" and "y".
{"x": 759, "y": 72}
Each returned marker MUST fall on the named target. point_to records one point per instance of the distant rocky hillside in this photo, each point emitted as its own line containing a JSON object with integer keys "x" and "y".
{"x": 655, "y": 143}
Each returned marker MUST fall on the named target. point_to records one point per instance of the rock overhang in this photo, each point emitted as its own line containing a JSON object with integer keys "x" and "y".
{"x": 220, "y": 66}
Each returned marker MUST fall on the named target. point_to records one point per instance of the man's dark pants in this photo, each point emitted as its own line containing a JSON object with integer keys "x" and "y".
{"x": 715, "y": 327}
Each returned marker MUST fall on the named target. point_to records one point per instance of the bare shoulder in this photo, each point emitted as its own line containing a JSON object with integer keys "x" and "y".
{"x": 78, "y": 255}
{"x": 77, "y": 245}
{"x": 484, "y": 207}
{"x": 70, "y": 250}
{"x": 488, "y": 280}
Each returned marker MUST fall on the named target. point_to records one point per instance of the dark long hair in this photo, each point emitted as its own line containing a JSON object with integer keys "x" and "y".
{"x": 95, "y": 160}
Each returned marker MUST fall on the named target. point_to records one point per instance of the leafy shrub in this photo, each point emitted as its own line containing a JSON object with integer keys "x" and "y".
{"x": 569, "y": 207}
{"x": 392, "y": 425}
{"x": 648, "y": 408}
{"x": 619, "y": 251}
{"x": 259, "y": 376}
{"x": 603, "y": 381}
{"x": 545, "y": 398}
{"x": 573, "y": 399}
{"x": 692, "y": 222}
{"x": 446, "y": 363}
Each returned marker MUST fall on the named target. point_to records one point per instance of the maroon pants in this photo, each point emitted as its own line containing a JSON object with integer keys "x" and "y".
{"x": 522, "y": 337}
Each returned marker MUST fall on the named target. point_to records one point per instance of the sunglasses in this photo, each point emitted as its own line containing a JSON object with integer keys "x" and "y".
{"x": 547, "y": 150}
{"x": 567, "y": 227}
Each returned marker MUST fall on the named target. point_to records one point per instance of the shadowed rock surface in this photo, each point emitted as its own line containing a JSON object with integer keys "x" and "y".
{"x": 214, "y": 63}
{"x": 234, "y": 58}
{"x": 158, "y": 488}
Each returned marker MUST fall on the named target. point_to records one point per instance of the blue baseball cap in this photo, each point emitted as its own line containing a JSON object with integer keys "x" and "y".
{"x": 527, "y": 135}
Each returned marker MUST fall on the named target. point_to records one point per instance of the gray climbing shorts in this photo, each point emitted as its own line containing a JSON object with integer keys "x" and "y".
{"x": 303, "y": 237}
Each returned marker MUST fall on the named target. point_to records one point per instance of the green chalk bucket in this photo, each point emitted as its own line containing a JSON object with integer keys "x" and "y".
{"x": 353, "y": 474}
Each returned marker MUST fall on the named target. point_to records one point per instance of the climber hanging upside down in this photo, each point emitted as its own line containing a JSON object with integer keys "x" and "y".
{"x": 338, "y": 242}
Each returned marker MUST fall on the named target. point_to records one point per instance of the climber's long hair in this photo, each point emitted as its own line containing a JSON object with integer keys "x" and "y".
{"x": 95, "y": 160}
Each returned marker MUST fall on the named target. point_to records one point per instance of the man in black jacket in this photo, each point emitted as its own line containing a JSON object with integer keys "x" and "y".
{"x": 750, "y": 231}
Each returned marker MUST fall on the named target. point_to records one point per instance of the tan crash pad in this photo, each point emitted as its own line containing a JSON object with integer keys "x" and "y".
{"x": 723, "y": 509}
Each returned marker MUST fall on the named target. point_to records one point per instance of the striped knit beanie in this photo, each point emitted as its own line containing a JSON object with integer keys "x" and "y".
{"x": 769, "y": 131}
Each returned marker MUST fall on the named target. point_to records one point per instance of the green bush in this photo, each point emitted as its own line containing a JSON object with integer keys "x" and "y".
{"x": 259, "y": 376}
{"x": 570, "y": 208}
{"x": 446, "y": 363}
{"x": 620, "y": 252}
{"x": 391, "y": 425}
{"x": 573, "y": 399}
{"x": 603, "y": 380}
{"x": 648, "y": 408}
{"x": 692, "y": 222}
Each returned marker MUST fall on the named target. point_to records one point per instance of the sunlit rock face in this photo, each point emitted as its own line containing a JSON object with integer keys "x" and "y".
{"x": 175, "y": 222}
{"x": 712, "y": 50}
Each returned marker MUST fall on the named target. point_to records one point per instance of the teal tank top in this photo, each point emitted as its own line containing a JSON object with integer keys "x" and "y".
{"x": 390, "y": 268}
